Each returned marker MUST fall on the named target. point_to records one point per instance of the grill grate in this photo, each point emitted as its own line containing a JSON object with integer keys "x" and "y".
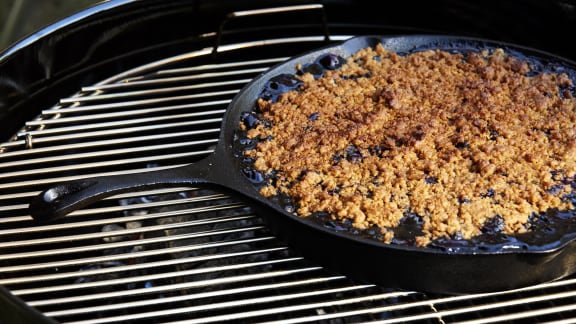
{"x": 187, "y": 254}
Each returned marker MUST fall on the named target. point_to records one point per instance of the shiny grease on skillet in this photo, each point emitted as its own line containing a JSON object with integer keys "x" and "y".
{"x": 493, "y": 263}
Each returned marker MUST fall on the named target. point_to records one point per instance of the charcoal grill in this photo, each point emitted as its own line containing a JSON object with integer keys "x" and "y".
{"x": 144, "y": 88}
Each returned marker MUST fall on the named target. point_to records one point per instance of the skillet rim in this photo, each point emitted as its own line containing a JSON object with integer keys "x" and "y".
{"x": 424, "y": 41}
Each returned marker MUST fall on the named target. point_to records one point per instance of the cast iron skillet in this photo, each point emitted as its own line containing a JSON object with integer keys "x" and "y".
{"x": 451, "y": 268}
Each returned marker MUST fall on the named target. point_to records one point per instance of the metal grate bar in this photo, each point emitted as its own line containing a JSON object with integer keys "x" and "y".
{"x": 110, "y": 153}
{"x": 121, "y": 123}
{"x": 127, "y": 113}
{"x": 142, "y": 102}
{"x": 77, "y": 129}
{"x": 140, "y": 81}
{"x": 485, "y": 307}
{"x": 228, "y": 65}
{"x": 226, "y": 292}
{"x": 128, "y": 84}
{"x": 115, "y": 257}
{"x": 43, "y": 182}
{"x": 288, "y": 309}
{"x": 99, "y": 235}
{"x": 68, "y": 226}
{"x": 241, "y": 303}
{"x": 125, "y": 162}
{"x": 164, "y": 275}
{"x": 83, "y": 212}
{"x": 123, "y": 268}
{"x": 95, "y": 144}
{"x": 147, "y": 216}
{"x": 115, "y": 245}
{"x": 156, "y": 289}
{"x": 527, "y": 314}
{"x": 149, "y": 92}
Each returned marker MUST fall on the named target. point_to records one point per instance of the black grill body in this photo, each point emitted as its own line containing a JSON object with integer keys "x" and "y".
{"x": 48, "y": 69}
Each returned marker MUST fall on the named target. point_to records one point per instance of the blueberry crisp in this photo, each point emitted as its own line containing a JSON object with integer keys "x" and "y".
{"x": 469, "y": 142}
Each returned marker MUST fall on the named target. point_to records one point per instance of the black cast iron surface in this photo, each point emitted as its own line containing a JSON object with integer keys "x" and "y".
{"x": 447, "y": 269}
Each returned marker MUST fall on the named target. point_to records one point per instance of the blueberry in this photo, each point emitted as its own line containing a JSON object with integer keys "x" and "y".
{"x": 555, "y": 189}
{"x": 458, "y": 236}
{"x": 557, "y": 174}
{"x": 314, "y": 68}
{"x": 353, "y": 154}
{"x": 494, "y": 134}
{"x": 245, "y": 141}
{"x": 314, "y": 116}
{"x": 462, "y": 145}
{"x": 249, "y": 119}
{"x": 278, "y": 85}
{"x": 335, "y": 226}
{"x": 489, "y": 193}
{"x": 542, "y": 221}
{"x": 571, "y": 197}
{"x": 430, "y": 180}
{"x": 336, "y": 158}
{"x": 463, "y": 200}
{"x": 331, "y": 61}
{"x": 253, "y": 175}
{"x": 378, "y": 150}
{"x": 333, "y": 192}
{"x": 493, "y": 225}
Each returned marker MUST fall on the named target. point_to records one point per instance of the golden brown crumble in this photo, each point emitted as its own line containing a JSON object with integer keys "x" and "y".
{"x": 454, "y": 138}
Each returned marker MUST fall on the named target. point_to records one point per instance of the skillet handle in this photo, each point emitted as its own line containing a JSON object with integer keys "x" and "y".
{"x": 58, "y": 201}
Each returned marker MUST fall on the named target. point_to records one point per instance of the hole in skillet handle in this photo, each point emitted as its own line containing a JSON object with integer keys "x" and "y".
{"x": 54, "y": 203}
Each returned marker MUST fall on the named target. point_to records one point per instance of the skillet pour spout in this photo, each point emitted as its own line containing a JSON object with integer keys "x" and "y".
{"x": 442, "y": 267}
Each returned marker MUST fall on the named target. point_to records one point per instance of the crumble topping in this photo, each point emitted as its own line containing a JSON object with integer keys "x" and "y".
{"x": 464, "y": 141}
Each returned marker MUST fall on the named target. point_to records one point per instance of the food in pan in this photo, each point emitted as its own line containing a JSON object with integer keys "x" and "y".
{"x": 458, "y": 144}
